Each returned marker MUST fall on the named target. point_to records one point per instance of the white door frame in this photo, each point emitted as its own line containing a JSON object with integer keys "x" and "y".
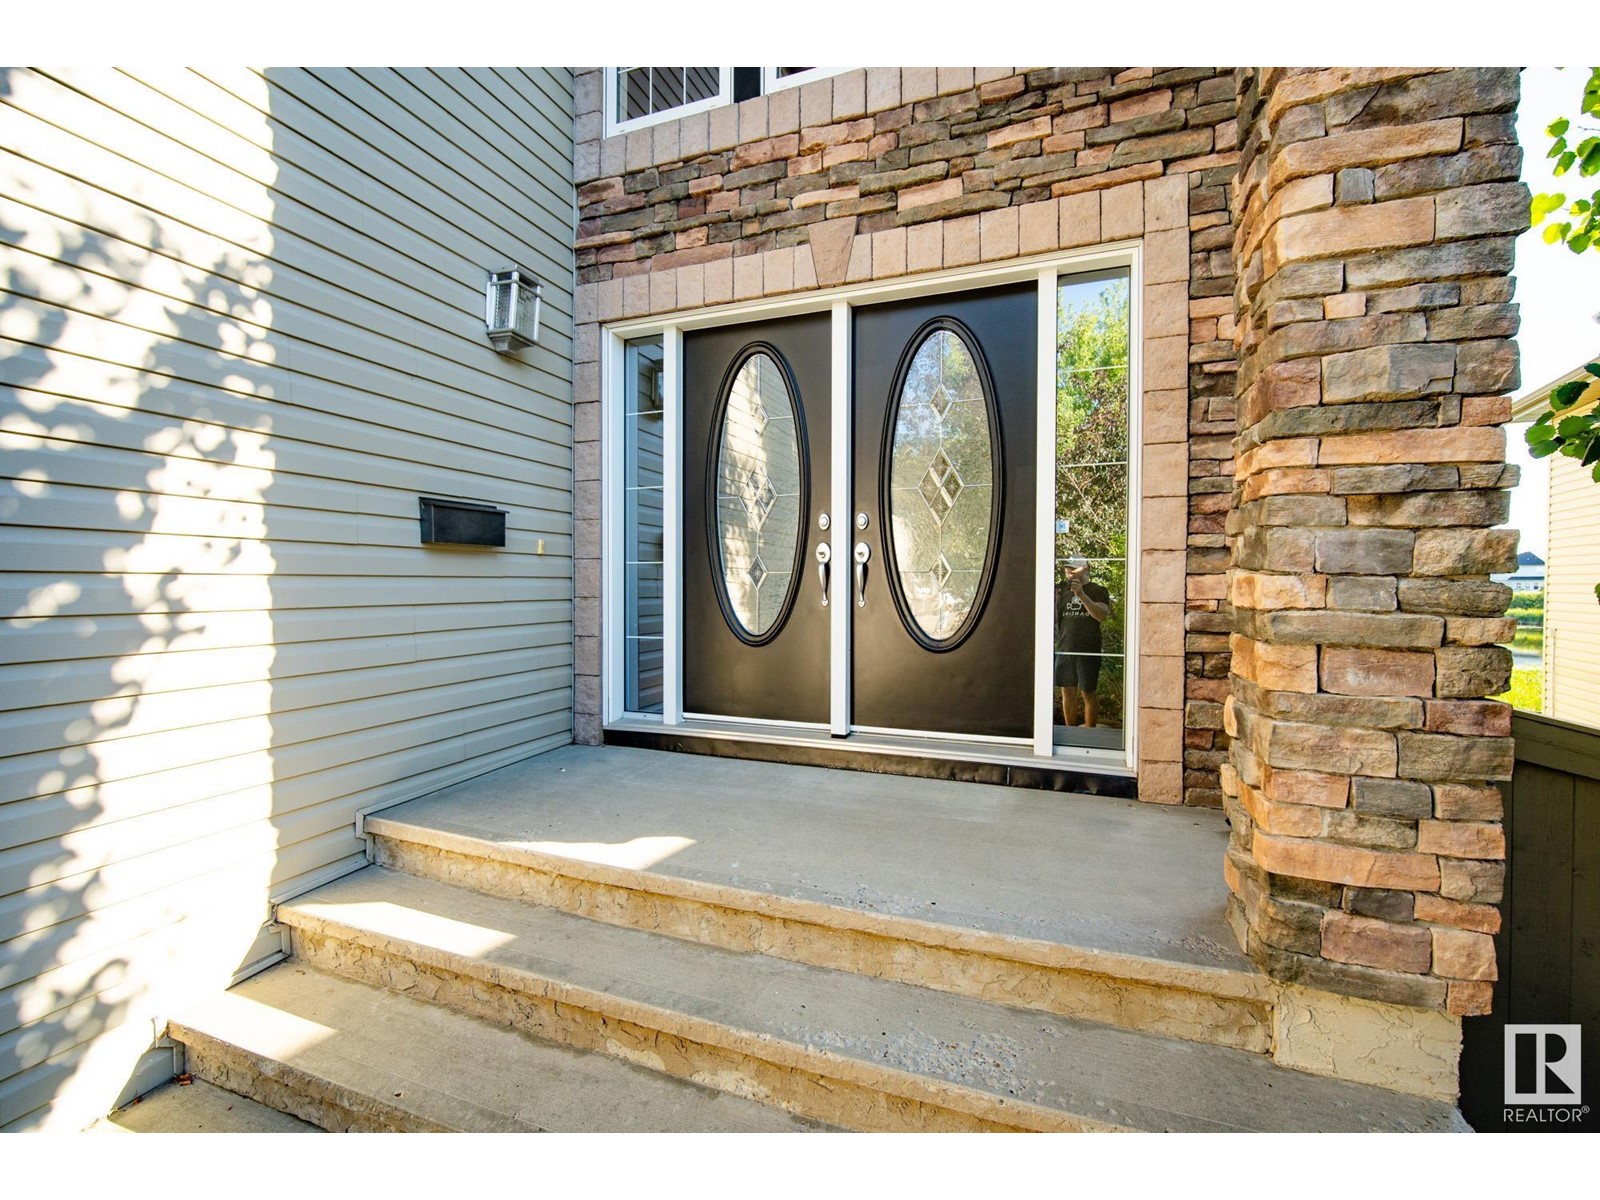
{"x": 1045, "y": 270}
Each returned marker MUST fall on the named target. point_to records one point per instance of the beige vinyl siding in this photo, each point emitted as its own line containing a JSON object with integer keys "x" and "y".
{"x": 1571, "y": 612}
{"x": 240, "y": 334}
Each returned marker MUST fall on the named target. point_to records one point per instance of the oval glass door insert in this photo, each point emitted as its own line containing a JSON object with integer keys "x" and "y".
{"x": 942, "y": 499}
{"x": 759, "y": 503}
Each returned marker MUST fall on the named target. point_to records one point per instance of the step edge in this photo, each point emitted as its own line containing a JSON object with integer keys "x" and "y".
{"x": 194, "y": 1037}
{"x": 1227, "y": 982}
{"x": 783, "y": 1052}
{"x": 930, "y": 1089}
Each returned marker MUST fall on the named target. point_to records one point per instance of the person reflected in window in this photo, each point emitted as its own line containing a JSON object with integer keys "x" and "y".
{"x": 1081, "y": 606}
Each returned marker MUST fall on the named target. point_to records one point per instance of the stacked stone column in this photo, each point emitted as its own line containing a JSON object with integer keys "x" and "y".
{"x": 1375, "y": 211}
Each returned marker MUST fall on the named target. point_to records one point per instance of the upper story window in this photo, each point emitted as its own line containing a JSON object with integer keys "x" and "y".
{"x": 637, "y": 97}
{"x": 640, "y": 96}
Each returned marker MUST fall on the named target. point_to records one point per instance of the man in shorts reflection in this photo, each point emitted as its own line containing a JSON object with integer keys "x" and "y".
{"x": 1081, "y": 606}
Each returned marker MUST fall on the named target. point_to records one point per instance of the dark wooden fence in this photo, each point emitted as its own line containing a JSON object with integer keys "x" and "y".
{"x": 1549, "y": 940}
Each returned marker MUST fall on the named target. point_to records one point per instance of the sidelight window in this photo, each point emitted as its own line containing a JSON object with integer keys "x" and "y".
{"x": 643, "y": 571}
{"x": 1091, "y": 517}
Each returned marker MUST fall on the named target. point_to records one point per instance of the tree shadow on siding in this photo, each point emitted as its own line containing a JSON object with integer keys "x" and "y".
{"x": 133, "y": 482}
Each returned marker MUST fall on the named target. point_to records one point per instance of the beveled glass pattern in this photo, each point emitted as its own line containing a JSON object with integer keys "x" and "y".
{"x": 941, "y": 485}
{"x": 758, "y": 494}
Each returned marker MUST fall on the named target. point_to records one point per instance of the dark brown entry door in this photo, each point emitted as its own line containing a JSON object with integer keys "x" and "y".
{"x": 756, "y": 480}
{"x": 945, "y": 426}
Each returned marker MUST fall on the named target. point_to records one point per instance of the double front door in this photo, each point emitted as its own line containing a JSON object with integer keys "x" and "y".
{"x": 939, "y": 580}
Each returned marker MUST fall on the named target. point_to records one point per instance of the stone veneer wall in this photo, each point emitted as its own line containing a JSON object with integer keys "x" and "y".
{"x": 1376, "y": 212}
{"x": 885, "y": 172}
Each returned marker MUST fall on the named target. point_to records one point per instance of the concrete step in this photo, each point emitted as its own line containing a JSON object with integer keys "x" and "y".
{"x": 198, "y": 1107}
{"x": 848, "y": 1049}
{"x": 345, "y": 1056}
{"x": 979, "y": 951}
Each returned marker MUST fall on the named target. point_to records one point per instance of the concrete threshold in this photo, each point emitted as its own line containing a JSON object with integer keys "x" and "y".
{"x": 1107, "y": 877}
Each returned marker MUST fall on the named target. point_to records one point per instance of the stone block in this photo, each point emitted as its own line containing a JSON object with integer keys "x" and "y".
{"x": 1451, "y": 445}
{"x": 1487, "y": 208}
{"x": 1275, "y": 668}
{"x": 1425, "y": 509}
{"x": 1382, "y": 903}
{"x": 1472, "y": 597}
{"x": 1463, "y": 954}
{"x": 1306, "y": 787}
{"x": 1487, "y": 366}
{"x": 1345, "y": 231}
{"x": 1467, "y": 802}
{"x": 1465, "y": 551}
{"x": 1351, "y": 751}
{"x": 925, "y": 247}
{"x": 1372, "y": 830}
{"x": 1361, "y": 671}
{"x": 1471, "y": 881}
{"x": 1480, "y": 918}
{"x": 1387, "y": 373}
{"x": 1305, "y": 858}
{"x": 1366, "y": 148}
{"x": 1363, "y": 593}
{"x": 1122, "y": 212}
{"x": 1392, "y": 797}
{"x": 997, "y": 234}
{"x": 1364, "y": 551}
{"x": 1469, "y": 718}
{"x": 1372, "y": 943}
{"x": 1079, "y": 220}
{"x": 1399, "y": 631}
{"x": 1443, "y": 757}
{"x": 1465, "y": 839}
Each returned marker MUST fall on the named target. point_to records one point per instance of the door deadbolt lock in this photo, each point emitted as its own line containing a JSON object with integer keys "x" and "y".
{"x": 861, "y": 520}
{"x": 823, "y": 522}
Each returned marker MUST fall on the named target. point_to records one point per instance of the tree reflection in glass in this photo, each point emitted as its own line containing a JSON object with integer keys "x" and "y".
{"x": 1091, "y": 538}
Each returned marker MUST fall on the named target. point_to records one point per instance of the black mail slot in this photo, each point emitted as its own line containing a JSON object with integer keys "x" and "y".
{"x": 461, "y": 523}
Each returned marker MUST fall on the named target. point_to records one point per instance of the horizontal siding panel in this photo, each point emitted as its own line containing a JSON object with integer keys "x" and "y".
{"x": 285, "y": 368}
{"x": 122, "y": 281}
{"x": 381, "y": 210}
{"x": 146, "y": 713}
{"x": 36, "y": 596}
{"x": 128, "y": 511}
{"x": 207, "y": 675}
{"x": 285, "y": 267}
{"x": 241, "y": 334}
{"x": 57, "y": 642}
{"x": 91, "y": 388}
{"x": 112, "y": 760}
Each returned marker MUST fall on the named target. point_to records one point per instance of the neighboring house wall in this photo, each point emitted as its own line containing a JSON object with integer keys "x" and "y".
{"x": 242, "y": 334}
{"x": 1571, "y": 612}
{"x": 887, "y": 172}
{"x": 1378, "y": 214}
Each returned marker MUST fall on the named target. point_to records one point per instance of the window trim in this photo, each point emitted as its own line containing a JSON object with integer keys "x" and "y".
{"x": 613, "y": 126}
{"x": 772, "y": 82}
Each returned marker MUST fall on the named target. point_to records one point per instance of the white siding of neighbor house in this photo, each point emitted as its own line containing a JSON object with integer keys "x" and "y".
{"x": 1571, "y": 612}
{"x": 241, "y": 332}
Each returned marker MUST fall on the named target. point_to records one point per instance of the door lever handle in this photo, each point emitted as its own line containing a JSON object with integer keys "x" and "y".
{"x": 863, "y": 553}
{"x": 824, "y": 556}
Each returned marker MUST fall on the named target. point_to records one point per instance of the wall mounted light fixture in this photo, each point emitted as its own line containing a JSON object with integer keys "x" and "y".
{"x": 511, "y": 309}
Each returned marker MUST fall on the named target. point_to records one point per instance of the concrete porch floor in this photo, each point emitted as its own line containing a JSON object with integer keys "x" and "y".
{"x": 1108, "y": 875}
